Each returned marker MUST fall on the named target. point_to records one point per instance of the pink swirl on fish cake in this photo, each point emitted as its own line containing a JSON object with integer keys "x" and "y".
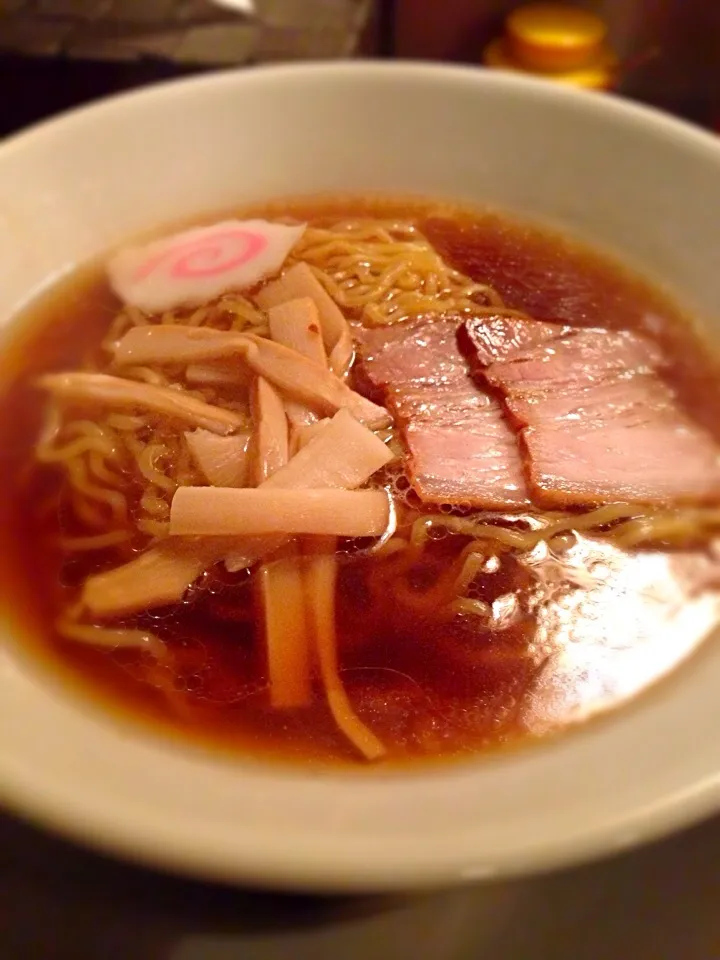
{"x": 207, "y": 256}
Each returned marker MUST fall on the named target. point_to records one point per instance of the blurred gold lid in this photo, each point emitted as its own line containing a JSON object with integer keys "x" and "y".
{"x": 596, "y": 76}
{"x": 554, "y": 37}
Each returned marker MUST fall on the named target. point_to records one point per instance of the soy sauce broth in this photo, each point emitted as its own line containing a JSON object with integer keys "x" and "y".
{"x": 427, "y": 685}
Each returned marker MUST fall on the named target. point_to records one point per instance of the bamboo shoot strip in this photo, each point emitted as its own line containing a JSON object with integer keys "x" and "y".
{"x": 222, "y": 460}
{"x": 280, "y": 584}
{"x": 321, "y": 576}
{"x": 291, "y": 373}
{"x": 159, "y": 576}
{"x": 270, "y": 431}
{"x": 223, "y": 512}
{"x": 341, "y": 454}
{"x": 281, "y": 592}
{"x": 119, "y": 393}
{"x": 295, "y": 325}
{"x": 300, "y": 281}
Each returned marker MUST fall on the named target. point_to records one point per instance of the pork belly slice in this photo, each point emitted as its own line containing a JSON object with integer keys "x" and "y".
{"x": 551, "y": 356}
{"x": 597, "y": 422}
{"x": 417, "y": 352}
{"x": 638, "y": 400}
{"x": 473, "y": 462}
{"x": 619, "y": 440}
{"x": 575, "y": 360}
{"x": 667, "y": 461}
{"x": 497, "y": 338}
{"x": 461, "y": 448}
{"x": 449, "y": 404}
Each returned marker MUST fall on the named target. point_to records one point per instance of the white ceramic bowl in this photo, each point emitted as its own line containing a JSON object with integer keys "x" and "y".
{"x": 628, "y": 179}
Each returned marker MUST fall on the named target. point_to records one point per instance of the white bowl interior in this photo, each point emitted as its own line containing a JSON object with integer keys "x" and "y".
{"x": 629, "y": 180}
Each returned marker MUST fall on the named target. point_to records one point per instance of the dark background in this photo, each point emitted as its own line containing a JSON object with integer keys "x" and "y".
{"x": 671, "y": 48}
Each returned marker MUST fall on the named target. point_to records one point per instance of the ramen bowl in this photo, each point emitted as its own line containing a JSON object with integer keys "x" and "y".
{"x": 627, "y": 179}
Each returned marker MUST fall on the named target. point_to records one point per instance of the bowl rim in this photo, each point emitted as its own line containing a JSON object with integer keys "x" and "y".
{"x": 155, "y": 844}
{"x": 459, "y": 73}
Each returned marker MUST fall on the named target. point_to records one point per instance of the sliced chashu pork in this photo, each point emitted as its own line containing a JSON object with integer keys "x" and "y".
{"x": 598, "y": 423}
{"x": 462, "y": 449}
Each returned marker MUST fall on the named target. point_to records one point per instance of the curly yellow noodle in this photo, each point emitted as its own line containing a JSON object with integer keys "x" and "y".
{"x": 156, "y": 378}
{"x": 620, "y": 524}
{"x": 385, "y": 271}
{"x": 100, "y": 469}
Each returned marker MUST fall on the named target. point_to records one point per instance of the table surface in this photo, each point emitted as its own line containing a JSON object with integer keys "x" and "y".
{"x": 58, "y": 902}
{"x": 658, "y": 903}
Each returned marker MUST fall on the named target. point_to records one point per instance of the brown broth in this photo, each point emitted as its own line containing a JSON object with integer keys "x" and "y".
{"x": 427, "y": 686}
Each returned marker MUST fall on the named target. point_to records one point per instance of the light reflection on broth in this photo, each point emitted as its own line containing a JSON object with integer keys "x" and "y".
{"x": 605, "y": 643}
{"x": 471, "y": 629}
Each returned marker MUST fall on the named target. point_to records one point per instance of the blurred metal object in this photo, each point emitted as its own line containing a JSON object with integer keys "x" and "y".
{"x": 187, "y": 32}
